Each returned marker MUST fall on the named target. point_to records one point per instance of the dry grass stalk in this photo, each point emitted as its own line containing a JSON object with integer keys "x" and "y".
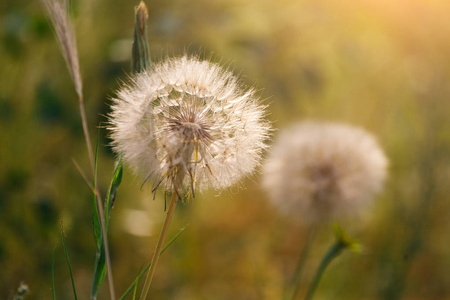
{"x": 57, "y": 10}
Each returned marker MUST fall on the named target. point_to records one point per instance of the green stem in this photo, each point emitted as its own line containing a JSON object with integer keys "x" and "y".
{"x": 332, "y": 252}
{"x": 294, "y": 286}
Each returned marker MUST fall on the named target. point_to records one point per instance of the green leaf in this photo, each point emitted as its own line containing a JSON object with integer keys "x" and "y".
{"x": 135, "y": 282}
{"x": 63, "y": 238}
{"x": 99, "y": 271}
{"x": 112, "y": 192}
{"x": 140, "y": 52}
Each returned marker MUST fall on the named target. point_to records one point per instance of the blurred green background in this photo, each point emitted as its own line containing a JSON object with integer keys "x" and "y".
{"x": 383, "y": 65}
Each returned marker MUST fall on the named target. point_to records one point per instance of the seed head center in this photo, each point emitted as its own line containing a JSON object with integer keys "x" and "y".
{"x": 190, "y": 125}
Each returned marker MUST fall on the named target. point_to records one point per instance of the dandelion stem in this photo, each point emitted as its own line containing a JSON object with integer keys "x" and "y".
{"x": 332, "y": 253}
{"x": 296, "y": 279}
{"x": 159, "y": 245}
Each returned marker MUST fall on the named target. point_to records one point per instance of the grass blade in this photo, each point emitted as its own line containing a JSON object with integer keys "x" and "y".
{"x": 135, "y": 282}
{"x": 100, "y": 268}
{"x": 95, "y": 217}
{"x": 135, "y": 291}
{"x": 63, "y": 238}
{"x": 53, "y": 275}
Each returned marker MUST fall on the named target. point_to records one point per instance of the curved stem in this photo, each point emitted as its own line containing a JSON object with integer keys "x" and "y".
{"x": 159, "y": 245}
{"x": 296, "y": 279}
{"x": 332, "y": 252}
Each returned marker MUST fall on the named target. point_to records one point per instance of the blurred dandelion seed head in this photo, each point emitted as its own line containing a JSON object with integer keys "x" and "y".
{"x": 324, "y": 170}
{"x": 188, "y": 124}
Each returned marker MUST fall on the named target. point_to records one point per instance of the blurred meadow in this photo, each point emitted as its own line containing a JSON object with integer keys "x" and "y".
{"x": 378, "y": 64}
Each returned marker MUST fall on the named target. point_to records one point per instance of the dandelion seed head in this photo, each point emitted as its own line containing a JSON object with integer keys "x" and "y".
{"x": 188, "y": 123}
{"x": 324, "y": 170}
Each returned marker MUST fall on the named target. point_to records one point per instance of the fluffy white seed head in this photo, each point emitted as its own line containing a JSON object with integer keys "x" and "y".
{"x": 189, "y": 124}
{"x": 324, "y": 170}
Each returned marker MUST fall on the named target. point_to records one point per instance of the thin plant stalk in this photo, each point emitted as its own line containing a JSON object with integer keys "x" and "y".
{"x": 68, "y": 260}
{"x": 331, "y": 254}
{"x": 159, "y": 245}
{"x": 296, "y": 279}
{"x": 97, "y": 191}
{"x": 53, "y": 275}
{"x": 57, "y": 11}
{"x": 431, "y": 153}
{"x": 87, "y": 137}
